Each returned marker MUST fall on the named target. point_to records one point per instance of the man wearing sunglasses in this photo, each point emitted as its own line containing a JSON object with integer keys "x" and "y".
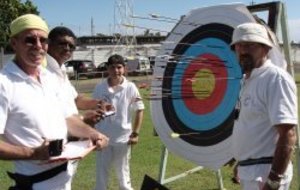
{"x": 264, "y": 133}
{"x": 32, "y": 113}
{"x": 61, "y": 46}
{"x": 62, "y": 43}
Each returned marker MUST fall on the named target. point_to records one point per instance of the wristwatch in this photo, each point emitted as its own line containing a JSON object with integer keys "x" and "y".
{"x": 273, "y": 184}
{"x": 134, "y": 134}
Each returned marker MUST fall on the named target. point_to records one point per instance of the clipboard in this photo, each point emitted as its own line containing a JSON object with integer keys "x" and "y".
{"x": 74, "y": 150}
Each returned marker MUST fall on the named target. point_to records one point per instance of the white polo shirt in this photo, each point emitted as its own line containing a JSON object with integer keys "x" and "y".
{"x": 68, "y": 93}
{"x": 125, "y": 98}
{"x": 29, "y": 112}
{"x": 267, "y": 98}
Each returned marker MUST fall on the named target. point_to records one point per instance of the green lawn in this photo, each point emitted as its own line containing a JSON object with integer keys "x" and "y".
{"x": 146, "y": 160}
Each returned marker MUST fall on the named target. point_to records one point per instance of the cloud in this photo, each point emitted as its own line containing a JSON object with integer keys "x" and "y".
{"x": 294, "y": 30}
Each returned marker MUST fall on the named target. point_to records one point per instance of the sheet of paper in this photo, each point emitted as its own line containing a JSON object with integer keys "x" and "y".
{"x": 74, "y": 150}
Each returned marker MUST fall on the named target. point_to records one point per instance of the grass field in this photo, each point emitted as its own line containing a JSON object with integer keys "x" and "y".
{"x": 146, "y": 158}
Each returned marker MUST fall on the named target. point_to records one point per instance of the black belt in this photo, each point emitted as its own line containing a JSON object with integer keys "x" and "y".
{"x": 263, "y": 160}
{"x": 25, "y": 182}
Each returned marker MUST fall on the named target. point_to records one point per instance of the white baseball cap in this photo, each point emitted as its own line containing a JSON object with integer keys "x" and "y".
{"x": 251, "y": 32}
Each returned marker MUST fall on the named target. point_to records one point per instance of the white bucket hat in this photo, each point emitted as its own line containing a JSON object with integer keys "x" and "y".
{"x": 251, "y": 32}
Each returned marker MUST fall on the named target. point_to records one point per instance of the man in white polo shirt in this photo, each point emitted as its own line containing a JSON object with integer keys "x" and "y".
{"x": 31, "y": 112}
{"x": 60, "y": 49}
{"x": 264, "y": 132}
{"x": 62, "y": 43}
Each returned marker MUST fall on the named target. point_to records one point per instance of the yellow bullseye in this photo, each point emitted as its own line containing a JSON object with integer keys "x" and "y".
{"x": 204, "y": 84}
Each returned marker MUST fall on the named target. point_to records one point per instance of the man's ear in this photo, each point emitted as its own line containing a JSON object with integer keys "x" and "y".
{"x": 13, "y": 43}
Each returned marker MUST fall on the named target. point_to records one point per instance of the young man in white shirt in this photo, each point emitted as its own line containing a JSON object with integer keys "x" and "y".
{"x": 125, "y": 98}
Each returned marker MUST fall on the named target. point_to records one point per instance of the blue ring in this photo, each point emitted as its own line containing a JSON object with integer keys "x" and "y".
{"x": 200, "y": 137}
{"x": 223, "y": 110}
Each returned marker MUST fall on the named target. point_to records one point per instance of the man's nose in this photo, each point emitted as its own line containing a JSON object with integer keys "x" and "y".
{"x": 243, "y": 50}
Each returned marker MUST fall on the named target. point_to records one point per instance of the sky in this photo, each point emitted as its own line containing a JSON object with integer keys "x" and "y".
{"x": 79, "y": 14}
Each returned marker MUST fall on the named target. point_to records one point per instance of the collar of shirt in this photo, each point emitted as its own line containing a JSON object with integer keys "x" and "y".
{"x": 258, "y": 71}
{"x": 117, "y": 88}
{"x": 12, "y": 68}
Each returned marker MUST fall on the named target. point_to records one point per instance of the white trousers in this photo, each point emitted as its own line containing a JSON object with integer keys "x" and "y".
{"x": 253, "y": 177}
{"x": 258, "y": 185}
{"x": 117, "y": 156}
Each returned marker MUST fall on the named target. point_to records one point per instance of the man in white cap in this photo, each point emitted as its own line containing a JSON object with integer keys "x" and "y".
{"x": 264, "y": 132}
{"x": 32, "y": 113}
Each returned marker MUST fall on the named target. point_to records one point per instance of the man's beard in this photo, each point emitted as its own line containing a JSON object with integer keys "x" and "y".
{"x": 247, "y": 63}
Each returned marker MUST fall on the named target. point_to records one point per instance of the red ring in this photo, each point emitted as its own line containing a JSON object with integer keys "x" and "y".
{"x": 213, "y": 99}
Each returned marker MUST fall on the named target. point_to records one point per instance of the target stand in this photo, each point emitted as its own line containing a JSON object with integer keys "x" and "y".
{"x": 163, "y": 167}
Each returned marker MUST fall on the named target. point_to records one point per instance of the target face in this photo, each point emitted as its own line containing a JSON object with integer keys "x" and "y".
{"x": 199, "y": 85}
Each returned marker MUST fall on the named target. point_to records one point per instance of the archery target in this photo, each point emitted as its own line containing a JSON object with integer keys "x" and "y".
{"x": 196, "y": 85}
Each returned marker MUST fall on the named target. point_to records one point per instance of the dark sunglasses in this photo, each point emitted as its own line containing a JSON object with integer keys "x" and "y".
{"x": 32, "y": 40}
{"x": 71, "y": 46}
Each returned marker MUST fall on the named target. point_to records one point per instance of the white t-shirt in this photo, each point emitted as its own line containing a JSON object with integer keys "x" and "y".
{"x": 29, "y": 112}
{"x": 125, "y": 98}
{"x": 267, "y": 98}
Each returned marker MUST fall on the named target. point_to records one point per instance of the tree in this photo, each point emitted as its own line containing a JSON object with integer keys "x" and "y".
{"x": 9, "y": 10}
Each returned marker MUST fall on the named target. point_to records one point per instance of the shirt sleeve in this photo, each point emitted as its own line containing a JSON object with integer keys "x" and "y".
{"x": 63, "y": 97}
{"x": 73, "y": 91}
{"x": 282, "y": 101}
{"x": 137, "y": 101}
{"x": 4, "y": 106}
